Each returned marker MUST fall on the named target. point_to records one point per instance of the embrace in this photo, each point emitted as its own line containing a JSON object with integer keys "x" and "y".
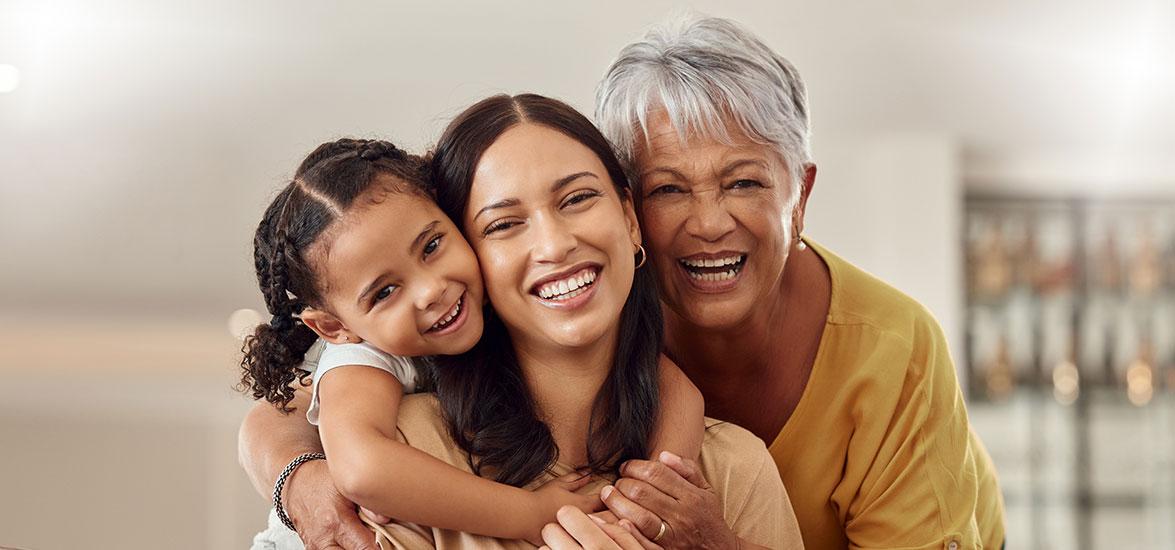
{"x": 545, "y": 332}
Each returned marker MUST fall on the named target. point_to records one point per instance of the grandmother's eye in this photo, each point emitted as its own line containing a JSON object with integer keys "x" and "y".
{"x": 666, "y": 189}
{"x": 745, "y": 184}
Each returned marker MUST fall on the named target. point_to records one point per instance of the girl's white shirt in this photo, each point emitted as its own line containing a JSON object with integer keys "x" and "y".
{"x": 324, "y": 356}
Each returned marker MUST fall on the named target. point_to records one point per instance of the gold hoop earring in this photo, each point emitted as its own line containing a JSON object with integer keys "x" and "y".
{"x": 641, "y": 250}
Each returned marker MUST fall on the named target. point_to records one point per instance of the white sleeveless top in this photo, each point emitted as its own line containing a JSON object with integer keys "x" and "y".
{"x": 324, "y": 356}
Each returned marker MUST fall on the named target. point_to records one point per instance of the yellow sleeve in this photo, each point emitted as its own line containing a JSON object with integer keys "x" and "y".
{"x": 920, "y": 489}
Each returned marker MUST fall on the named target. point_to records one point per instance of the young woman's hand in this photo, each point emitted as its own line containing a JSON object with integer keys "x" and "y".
{"x": 324, "y": 518}
{"x": 577, "y": 530}
{"x": 669, "y": 497}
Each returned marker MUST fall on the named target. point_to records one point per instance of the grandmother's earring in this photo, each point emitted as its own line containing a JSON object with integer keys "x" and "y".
{"x": 641, "y": 250}
{"x": 800, "y": 244}
{"x": 346, "y": 338}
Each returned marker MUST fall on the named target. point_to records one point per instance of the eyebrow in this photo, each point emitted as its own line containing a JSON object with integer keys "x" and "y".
{"x": 726, "y": 171}
{"x": 420, "y": 238}
{"x": 556, "y": 186}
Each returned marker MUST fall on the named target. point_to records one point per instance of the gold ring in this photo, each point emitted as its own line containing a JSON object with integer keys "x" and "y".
{"x": 661, "y": 533}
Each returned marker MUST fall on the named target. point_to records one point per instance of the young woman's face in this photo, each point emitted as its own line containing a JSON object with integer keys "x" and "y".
{"x": 555, "y": 239}
{"x": 400, "y": 276}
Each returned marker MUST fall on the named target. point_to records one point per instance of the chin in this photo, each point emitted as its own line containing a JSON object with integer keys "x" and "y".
{"x": 729, "y": 313}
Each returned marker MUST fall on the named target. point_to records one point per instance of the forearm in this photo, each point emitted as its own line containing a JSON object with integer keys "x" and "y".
{"x": 269, "y": 440}
{"x": 399, "y": 481}
{"x": 681, "y": 417}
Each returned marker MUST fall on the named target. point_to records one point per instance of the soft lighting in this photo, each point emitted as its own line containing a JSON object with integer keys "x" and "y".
{"x": 1139, "y": 383}
{"x": 1066, "y": 383}
{"x": 243, "y": 322}
{"x": 9, "y": 78}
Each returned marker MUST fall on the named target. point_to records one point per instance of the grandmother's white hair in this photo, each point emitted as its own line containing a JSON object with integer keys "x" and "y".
{"x": 703, "y": 71}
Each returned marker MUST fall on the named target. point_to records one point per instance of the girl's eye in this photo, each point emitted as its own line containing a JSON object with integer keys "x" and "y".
{"x": 432, "y": 245}
{"x": 666, "y": 189}
{"x": 745, "y": 184}
{"x": 384, "y": 293}
{"x": 580, "y": 197}
{"x": 498, "y": 226}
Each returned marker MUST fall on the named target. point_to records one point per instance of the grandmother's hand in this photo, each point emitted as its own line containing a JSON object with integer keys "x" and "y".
{"x": 671, "y": 489}
{"x": 577, "y": 530}
{"x": 325, "y": 519}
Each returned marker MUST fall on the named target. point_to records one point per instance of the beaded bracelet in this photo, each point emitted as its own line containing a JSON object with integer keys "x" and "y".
{"x": 281, "y": 482}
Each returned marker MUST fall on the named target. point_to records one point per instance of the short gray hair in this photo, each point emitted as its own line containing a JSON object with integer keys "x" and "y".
{"x": 702, "y": 71}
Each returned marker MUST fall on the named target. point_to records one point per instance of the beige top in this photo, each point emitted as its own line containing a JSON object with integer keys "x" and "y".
{"x": 735, "y": 462}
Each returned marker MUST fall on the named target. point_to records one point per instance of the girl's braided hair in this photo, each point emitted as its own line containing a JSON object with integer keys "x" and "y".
{"x": 324, "y": 187}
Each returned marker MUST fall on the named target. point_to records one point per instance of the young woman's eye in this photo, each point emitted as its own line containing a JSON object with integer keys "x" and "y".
{"x": 433, "y": 245}
{"x": 384, "y": 293}
{"x": 745, "y": 184}
{"x": 498, "y": 226}
{"x": 580, "y": 197}
{"x": 666, "y": 189}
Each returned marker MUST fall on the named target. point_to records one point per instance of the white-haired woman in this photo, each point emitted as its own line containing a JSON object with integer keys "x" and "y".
{"x": 848, "y": 380}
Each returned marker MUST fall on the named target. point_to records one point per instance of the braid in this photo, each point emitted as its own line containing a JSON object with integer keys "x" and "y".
{"x": 273, "y": 351}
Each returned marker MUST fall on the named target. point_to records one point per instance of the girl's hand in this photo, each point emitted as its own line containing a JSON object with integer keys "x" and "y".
{"x": 577, "y": 530}
{"x": 671, "y": 490}
{"x": 324, "y": 518}
{"x": 555, "y": 494}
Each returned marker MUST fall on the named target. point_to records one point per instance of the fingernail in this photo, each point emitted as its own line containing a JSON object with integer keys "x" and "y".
{"x": 597, "y": 520}
{"x": 668, "y": 457}
{"x": 606, "y": 492}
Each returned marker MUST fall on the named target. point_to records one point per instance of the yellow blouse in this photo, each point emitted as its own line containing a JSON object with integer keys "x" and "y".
{"x": 879, "y": 452}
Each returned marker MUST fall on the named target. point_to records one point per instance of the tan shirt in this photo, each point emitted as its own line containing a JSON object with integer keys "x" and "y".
{"x": 735, "y": 462}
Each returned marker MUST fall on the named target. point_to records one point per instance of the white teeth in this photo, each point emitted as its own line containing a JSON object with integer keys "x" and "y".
{"x": 450, "y": 316}
{"x": 732, "y": 260}
{"x": 567, "y": 288}
{"x": 714, "y": 277}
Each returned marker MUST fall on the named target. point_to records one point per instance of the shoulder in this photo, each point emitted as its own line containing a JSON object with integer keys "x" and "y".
{"x": 729, "y": 449}
{"x": 862, "y": 301}
{"x": 422, "y": 426}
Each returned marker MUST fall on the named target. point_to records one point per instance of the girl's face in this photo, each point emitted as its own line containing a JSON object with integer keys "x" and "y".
{"x": 398, "y": 274}
{"x": 555, "y": 239}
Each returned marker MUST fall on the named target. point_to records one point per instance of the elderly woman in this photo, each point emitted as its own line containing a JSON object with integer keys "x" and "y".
{"x": 848, "y": 380}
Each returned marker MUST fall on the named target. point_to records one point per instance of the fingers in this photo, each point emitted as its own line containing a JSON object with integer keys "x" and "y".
{"x": 353, "y": 535}
{"x": 557, "y": 538}
{"x": 374, "y": 517}
{"x": 659, "y": 475}
{"x": 637, "y": 535}
{"x": 622, "y": 537}
{"x": 625, "y": 509}
{"x": 686, "y": 468}
{"x": 605, "y": 515}
{"x": 647, "y": 496}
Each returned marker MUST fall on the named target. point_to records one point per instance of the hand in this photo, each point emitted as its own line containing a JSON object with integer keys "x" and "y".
{"x": 577, "y": 530}
{"x": 325, "y": 520}
{"x": 672, "y": 490}
{"x": 553, "y": 495}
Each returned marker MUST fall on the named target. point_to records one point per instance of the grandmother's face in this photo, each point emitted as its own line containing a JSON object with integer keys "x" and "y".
{"x": 716, "y": 222}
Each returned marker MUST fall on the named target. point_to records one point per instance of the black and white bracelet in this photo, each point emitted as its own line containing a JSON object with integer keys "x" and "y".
{"x": 281, "y": 482}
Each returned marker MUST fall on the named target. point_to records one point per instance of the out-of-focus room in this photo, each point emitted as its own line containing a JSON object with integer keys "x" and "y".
{"x": 1010, "y": 165}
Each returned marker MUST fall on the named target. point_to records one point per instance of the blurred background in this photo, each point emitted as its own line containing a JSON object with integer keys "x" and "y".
{"x": 1009, "y": 164}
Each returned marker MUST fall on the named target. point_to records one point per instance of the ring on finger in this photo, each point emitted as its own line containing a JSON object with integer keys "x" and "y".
{"x": 661, "y": 532}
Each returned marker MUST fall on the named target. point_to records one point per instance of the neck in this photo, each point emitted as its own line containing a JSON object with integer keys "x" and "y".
{"x": 721, "y": 361}
{"x": 564, "y": 383}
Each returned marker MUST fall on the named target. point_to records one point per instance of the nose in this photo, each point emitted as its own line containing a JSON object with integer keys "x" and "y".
{"x": 553, "y": 240}
{"x": 708, "y": 218}
{"x": 429, "y": 291}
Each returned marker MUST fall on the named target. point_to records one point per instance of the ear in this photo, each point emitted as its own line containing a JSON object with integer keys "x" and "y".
{"x": 328, "y": 327}
{"x": 806, "y": 186}
{"x": 634, "y": 228}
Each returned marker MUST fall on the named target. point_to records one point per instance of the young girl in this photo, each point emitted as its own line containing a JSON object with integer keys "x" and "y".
{"x": 355, "y": 251}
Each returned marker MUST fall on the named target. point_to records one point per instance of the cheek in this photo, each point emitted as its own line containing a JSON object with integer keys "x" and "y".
{"x": 496, "y": 272}
{"x": 657, "y": 223}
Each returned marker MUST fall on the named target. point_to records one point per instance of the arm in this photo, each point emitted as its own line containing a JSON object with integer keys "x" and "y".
{"x": 680, "y": 423}
{"x": 374, "y": 468}
{"x": 920, "y": 489}
{"x": 270, "y": 439}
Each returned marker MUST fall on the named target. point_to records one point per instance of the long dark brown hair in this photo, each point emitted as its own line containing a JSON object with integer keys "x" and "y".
{"x": 489, "y": 409}
{"x": 325, "y": 186}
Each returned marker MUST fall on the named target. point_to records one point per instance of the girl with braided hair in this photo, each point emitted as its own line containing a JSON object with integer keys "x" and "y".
{"x": 365, "y": 276}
